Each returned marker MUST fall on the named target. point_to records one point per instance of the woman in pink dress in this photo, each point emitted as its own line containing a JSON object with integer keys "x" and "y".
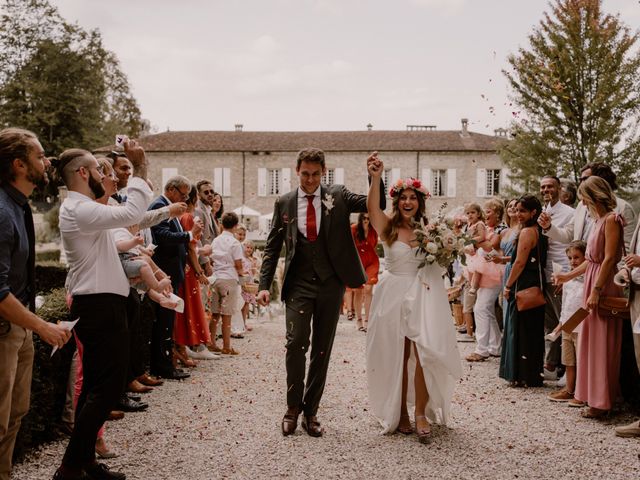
{"x": 601, "y": 335}
{"x": 191, "y": 326}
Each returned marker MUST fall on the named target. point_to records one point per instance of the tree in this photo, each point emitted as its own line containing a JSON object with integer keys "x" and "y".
{"x": 578, "y": 90}
{"x": 59, "y": 81}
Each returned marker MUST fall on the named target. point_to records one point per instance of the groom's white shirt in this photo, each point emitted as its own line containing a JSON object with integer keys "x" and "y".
{"x": 302, "y": 210}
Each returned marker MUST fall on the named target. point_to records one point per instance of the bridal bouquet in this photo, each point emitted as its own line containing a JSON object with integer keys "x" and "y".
{"x": 438, "y": 242}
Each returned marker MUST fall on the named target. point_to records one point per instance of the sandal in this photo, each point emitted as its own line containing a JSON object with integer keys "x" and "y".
{"x": 360, "y": 325}
{"x": 405, "y": 429}
{"x": 424, "y": 434}
{"x": 475, "y": 357}
{"x": 351, "y": 314}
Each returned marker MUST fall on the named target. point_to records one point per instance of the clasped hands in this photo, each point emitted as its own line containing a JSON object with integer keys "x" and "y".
{"x": 375, "y": 166}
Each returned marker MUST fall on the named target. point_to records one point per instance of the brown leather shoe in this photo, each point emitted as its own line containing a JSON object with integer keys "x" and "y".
{"x": 312, "y": 426}
{"x": 149, "y": 381}
{"x": 136, "y": 387}
{"x": 116, "y": 415}
{"x": 290, "y": 421}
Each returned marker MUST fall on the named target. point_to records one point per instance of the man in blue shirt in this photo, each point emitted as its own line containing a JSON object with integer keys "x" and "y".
{"x": 22, "y": 168}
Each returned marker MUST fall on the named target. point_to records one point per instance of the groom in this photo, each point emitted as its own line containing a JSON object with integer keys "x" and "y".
{"x": 320, "y": 258}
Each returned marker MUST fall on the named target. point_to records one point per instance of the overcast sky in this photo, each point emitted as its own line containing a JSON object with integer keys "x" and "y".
{"x": 318, "y": 64}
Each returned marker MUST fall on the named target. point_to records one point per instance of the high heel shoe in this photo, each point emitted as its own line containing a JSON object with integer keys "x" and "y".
{"x": 424, "y": 434}
{"x": 180, "y": 355}
{"x": 404, "y": 429}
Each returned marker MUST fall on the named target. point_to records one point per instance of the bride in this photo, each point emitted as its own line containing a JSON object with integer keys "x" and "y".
{"x": 412, "y": 355}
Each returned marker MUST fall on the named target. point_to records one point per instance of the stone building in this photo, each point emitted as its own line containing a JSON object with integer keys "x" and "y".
{"x": 252, "y": 169}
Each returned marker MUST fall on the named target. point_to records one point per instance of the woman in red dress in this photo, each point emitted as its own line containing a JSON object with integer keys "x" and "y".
{"x": 366, "y": 240}
{"x": 191, "y": 326}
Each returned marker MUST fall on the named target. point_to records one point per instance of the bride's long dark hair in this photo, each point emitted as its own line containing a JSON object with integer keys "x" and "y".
{"x": 396, "y": 219}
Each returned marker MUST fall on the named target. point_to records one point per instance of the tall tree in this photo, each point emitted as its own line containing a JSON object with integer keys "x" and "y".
{"x": 59, "y": 81}
{"x": 578, "y": 89}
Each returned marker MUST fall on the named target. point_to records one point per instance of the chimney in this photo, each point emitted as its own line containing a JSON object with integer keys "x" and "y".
{"x": 465, "y": 124}
{"x": 239, "y": 127}
{"x": 369, "y": 127}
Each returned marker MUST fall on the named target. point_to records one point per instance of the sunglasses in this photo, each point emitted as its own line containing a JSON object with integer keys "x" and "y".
{"x": 208, "y": 192}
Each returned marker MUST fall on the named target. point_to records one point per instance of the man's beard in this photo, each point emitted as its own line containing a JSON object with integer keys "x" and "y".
{"x": 40, "y": 180}
{"x": 96, "y": 187}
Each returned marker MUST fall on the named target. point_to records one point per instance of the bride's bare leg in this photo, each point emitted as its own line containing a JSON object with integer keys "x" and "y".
{"x": 405, "y": 423}
{"x": 422, "y": 397}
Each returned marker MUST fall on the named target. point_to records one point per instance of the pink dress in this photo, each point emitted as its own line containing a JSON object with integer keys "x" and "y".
{"x": 601, "y": 337}
{"x": 491, "y": 272}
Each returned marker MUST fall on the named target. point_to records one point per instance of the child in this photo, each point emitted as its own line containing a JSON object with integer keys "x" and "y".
{"x": 572, "y": 300}
{"x": 138, "y": 265}
{"x": 249, "y": 287}
{"x": 477, "y": 230}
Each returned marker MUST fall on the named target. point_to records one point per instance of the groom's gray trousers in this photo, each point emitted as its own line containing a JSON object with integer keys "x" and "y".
{"x": 313, "y": 299}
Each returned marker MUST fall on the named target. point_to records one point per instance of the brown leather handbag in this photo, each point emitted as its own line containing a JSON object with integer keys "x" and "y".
{"x": 531, "y": 297}
{"x": 614, "y": 307}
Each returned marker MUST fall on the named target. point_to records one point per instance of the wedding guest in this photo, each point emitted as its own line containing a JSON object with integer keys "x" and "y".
{"x": 488, "y": 336}
{"x": 99, "y": 301}
{"x": 227, "y": 268}
{"x": 22, "y": 168}
{"x": 601, "y": 335}
{"x": 238, "y": 324}
{"x": 522, "y": 360}
{"x": 123, "y": 170}
{"x": 561, "y": 215}
{"x": 366, "y": 240}
{"x": 631, "y": 276}
{"x": 251, "y": 266}
{"x": 191, "y": 327}
{"x": 582, "y": 223}
{"x": 572, "y": 300}
{"x": 569, "y": 193}
{"x": 171, "y": 256}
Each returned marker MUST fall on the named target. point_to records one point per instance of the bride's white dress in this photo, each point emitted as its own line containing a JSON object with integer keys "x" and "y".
{"x": 410, "y": 302}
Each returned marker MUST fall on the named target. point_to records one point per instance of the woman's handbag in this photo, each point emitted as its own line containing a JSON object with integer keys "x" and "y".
{"x": 531, "y": 297}
{"x": 614, "y": 307}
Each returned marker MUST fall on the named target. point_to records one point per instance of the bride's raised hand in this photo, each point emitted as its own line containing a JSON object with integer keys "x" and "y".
{"x": 375, "y": 166}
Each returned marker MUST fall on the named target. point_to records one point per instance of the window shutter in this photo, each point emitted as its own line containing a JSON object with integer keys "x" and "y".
{"x": 505, "y": 181}
{"x": 426, "y": 178}
{"x": 285, "y": 180}
{"x": 338, "y": 176}
{"x": 167, "y": 173}
{"x": 217, "y": 180}
{"x": 395, "y": 175}
{"x": 262, "y": 182}
{"x": 226, "y": 182}
{"x": 481, "y": 182}
{"x": 451, "y": 182}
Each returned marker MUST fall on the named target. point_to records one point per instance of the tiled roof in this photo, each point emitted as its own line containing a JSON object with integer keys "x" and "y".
{"x": 361, "y": 141}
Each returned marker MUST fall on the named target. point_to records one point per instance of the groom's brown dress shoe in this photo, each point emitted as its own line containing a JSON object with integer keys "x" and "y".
{"x": 290, "y": 421}
{"x": 311, "y": 425}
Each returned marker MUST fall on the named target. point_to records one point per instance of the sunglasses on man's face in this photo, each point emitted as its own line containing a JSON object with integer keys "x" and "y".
{"x": 207, "y": 192}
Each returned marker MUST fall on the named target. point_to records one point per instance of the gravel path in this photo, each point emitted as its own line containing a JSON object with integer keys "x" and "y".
{"x": 224, "y": 422}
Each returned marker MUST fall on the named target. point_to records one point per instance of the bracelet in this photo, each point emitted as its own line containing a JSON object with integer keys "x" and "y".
{"x": 597, "y": 289}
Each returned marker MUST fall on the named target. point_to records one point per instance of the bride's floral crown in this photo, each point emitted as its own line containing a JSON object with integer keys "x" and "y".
{"x": 412, "y": 183}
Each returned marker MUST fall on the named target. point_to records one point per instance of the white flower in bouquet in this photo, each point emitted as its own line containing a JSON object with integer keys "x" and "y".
{"x": 431, "y": 248}
{"x": 430, "y": 258}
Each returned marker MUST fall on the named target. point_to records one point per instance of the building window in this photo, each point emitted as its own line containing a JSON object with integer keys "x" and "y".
{"x": 439, "y": 183}
{"x": 329, "y": 177}
{"x": 493, "y": 182}
{"x": 273, "y": 181}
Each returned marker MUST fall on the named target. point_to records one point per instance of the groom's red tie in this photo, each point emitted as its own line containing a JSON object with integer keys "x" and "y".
{"x": 312, "y": 231}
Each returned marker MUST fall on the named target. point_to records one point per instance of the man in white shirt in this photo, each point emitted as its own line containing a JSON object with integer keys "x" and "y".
{"x": 227, "y": 267}
{"x": 561, "y": 216}
{"x": 99, "y": 289}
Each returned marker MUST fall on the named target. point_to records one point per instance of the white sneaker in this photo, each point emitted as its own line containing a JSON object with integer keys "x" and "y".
{"x": 466, "y": 338}
{"x": 202, "y": 353}
{"x": 562, "y": 381}
{"x": 550, "y": 375}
